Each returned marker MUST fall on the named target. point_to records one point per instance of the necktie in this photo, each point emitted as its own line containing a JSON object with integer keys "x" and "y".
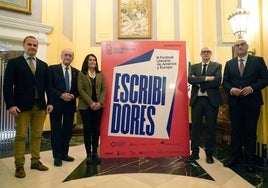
{"x": 241, "y": 66}
{"x": 203, "y": 74}
{"x": 31, "y": 64}
{"x": 204, "y": 70}
{"x": 66, "y": 78}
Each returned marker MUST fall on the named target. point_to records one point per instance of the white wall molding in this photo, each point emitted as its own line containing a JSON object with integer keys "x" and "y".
{"x": 24, "y": 24}
{"x": 13, "y": 30}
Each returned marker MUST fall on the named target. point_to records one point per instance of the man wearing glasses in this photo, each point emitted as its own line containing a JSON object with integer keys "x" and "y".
{"x": 205, "y": 78}
{"x": 244, "y": 78}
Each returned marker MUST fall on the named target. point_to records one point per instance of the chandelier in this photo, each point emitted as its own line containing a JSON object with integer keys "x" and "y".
{"x": 238, "y": 21}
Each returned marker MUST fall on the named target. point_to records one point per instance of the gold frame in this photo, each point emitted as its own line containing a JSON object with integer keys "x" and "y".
{"x": 134, "y": 19}
{"x": 23, "y": 6}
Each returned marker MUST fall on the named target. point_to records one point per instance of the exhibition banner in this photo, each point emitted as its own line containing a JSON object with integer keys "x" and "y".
{"x": 146, "y": 108}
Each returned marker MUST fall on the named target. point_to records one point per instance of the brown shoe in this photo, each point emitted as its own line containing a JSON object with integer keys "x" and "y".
{"x": 39, "y": 166}
{"x": 20, "y": 173}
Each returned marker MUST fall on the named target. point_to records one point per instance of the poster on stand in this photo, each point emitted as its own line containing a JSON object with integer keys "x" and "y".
{"x": 146, "y": 107}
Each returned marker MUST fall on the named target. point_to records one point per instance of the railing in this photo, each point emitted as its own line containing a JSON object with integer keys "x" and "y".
{"x": 7, "y": 123}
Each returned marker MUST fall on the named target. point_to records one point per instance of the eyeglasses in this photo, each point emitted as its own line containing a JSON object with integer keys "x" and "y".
{"x": 241, "y": 44}
{"x": 207, "y": 51}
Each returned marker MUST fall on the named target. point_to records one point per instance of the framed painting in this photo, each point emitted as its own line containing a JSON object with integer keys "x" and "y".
{"x": 23, "y": 6}
{"x": 134, "y": 19}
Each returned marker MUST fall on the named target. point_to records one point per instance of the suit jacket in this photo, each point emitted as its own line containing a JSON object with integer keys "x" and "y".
{"x": 255, "y": 75}
{"x": 85, "y": 90}
{"x": 20, "y": 83}
{"x": 212, "y": 87}
{"x": 56, "y": 81}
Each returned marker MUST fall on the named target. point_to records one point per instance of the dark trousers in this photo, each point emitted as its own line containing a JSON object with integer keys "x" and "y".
{"x": 244, "y": 122}
{"x": 202, "y": 108}
{"x": 91, "y": 125}
{"x": 61, "y": 132}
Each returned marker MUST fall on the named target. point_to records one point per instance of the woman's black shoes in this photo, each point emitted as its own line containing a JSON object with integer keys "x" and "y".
{"x": 93, "y": 159}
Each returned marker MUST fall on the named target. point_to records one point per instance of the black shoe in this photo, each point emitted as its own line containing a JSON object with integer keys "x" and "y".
{"x": 57, "y": 162}
{"x": 67, "y": 158}
{"x": 209, "y": 159}
{"x": 230, "y": 162}
{"x": 96, "y": 158}
{"x": 193, "y": 157}
{"x": 89, "y": 160}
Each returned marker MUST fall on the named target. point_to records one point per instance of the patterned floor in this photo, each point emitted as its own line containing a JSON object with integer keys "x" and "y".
{"x": 153, "y": 166}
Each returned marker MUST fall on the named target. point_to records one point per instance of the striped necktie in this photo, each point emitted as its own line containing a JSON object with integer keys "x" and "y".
{"x": 241, "y": 67}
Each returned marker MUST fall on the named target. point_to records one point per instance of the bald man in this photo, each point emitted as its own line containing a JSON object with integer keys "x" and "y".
{"x": 206, "y": 98}
{"x": 244, "y": 78}
{"x": 63, "y": 80}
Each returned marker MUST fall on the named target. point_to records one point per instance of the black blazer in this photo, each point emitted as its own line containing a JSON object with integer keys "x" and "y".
{"x": 255, "y": 75}
{"x": 56, "y": 81}
{"x": 212, "y": 87}
{"x": 19, "y": 75}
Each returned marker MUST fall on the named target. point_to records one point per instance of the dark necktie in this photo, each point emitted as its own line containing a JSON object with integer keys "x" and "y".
{"x": 241, "y": 67}
{"x": 203, "y": 74}
{"x": 204, "y": 70}
{"x": 66, "y": 78}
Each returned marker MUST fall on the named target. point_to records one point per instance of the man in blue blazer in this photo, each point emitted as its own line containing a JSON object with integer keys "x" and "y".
{"x": 206, "y": 98}
{"x": 63, "y": 80}
{"x": 244, "y": 86}
{"x": 25, "y": 86}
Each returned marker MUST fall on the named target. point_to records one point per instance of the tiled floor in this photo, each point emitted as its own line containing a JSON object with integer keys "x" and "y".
{"x": 136, "y": 172}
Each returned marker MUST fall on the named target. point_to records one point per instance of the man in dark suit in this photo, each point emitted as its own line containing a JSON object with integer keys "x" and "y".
{"x": 25, "y": 85}
{"x": 205, "y": 78}
{"x": 63, "y": 80}
{"x": 244, "y": 86}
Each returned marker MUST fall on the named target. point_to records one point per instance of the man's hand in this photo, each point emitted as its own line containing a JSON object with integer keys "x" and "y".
{"x": 49, "y": 108}
{"x": 236, "y": 91}
{"x": 67, "y": 97}
{"x": 246, "y": 91}
{"x": 210, "y": 78}
{"x": 14, "y": 110}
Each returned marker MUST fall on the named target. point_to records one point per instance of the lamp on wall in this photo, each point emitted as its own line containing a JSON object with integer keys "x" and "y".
{"x": 238, "y": 20}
